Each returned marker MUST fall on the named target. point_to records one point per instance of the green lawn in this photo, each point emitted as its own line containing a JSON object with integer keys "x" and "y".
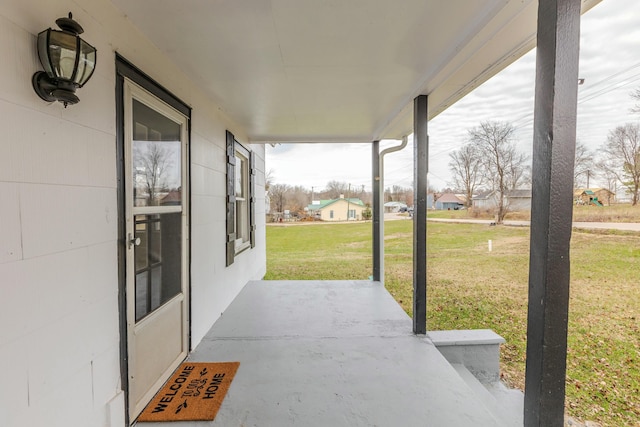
{"x": 470, "y": 287}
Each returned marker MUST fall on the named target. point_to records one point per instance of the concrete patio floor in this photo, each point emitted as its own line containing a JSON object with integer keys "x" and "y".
{"x": 332, "y": 353}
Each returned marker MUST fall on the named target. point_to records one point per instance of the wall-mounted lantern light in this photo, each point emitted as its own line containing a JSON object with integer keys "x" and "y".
{"x": 68, "y": 62}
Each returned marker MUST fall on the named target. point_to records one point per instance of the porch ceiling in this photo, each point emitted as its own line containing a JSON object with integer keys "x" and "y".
{"x": 336, "y": 71}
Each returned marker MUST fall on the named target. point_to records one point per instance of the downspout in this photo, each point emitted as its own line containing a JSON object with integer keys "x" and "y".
{"x": 380, "y": 206}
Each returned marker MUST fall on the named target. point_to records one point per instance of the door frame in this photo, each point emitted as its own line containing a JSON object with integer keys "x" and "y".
{"x": 125, "y": 69}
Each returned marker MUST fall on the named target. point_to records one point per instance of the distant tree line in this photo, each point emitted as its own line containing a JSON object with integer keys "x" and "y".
{"x": 295, "y": 198}
{"x": 489, "y": 161}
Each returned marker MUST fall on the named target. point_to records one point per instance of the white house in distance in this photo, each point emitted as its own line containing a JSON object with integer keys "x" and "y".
{"x": 392, "y": 207}
{"x": 516, "y": 200}
{"x": 341, "y": 209}
{"x": 132, "y": 219}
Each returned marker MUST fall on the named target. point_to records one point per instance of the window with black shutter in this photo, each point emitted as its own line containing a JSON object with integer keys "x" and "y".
{"x": 240, "y": 198}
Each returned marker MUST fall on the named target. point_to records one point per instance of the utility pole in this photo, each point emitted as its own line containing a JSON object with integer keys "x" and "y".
{"x": 312, "y": 194}
{"x": 588, "y": 176}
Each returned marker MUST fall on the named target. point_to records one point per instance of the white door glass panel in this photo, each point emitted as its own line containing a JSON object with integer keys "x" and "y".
{"x": 157, "y": 174}
{"x": 158, "y": 260}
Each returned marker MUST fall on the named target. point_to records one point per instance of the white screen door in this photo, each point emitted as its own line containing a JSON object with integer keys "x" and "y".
{"x": 157, "y": 242}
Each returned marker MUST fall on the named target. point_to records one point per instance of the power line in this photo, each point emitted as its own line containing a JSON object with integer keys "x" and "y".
{"x": 616, "y": 74}
{"x": 590, "y": 93}
{"x": 613, "y": 86}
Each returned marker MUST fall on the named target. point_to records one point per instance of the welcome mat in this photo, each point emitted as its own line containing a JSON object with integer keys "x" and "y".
{"x": 193, "y": 393}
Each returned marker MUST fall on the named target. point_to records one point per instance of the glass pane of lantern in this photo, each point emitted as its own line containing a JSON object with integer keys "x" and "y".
{"x": 43, "y": 51}
{"x": 86, "y": 63}
{"x": 62, "y": 53}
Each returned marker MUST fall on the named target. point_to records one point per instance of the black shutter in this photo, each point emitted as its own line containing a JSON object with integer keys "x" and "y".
{"x": 252, "y": 198}
{"x": 231, "y": 198}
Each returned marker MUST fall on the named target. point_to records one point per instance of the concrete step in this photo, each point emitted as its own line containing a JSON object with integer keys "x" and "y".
{"x": 477, "y": 349}
{"x": 505, "y": 404}
{"x": 511, "y": 400}
{"x": 475, "y": 355}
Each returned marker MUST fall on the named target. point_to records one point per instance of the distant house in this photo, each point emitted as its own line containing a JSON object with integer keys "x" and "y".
{"x": 449, "y": 201}
{"x": 516, "y": 200}
{"x": 173, "y": 197}
{"x": 519, "y": 200}
{"x": 462, "y": 197}
{"x": 336, "y": 209}
{"x": 391, "y": 207}
{"x": 594, "y": 196}
{"x": 483, "y": 200}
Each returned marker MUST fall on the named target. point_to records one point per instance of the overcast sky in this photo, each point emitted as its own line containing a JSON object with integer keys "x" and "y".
{"x": 609, "y": 63}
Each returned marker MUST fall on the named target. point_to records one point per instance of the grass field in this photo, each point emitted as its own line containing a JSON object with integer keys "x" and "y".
{"x": 470, "y": 287}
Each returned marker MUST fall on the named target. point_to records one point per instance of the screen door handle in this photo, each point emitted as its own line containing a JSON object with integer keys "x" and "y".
{"x": 133, "y": 241}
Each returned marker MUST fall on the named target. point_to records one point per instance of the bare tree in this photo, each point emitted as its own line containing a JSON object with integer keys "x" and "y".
{"x": 519, "y": 172}
{"x": 466, "y": 167}
{"x": 407, "y": 195}
{"x": 277, "y": 194}
{"x": 583, "y": 169}
{"x": 152, "y": 164}
{"x": 622, "y": 151}
{"x": 636, "y": 95}
{"x": 398, "y": 193}
{"x": 504, "y": 168}
{"x": 298, "y": 198}
{"x": 269, "y": 179}
{"x": 386, "y": 195}
{"x": 606, "y": 171}
{"x": 334, "y": 189}
{"x": 367, "y": 196}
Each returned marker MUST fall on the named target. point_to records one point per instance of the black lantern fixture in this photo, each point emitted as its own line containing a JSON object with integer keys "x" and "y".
{"x": 68, "y": 62}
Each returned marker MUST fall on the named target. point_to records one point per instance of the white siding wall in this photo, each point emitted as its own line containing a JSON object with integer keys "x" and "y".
{"x": 59, "y": 332}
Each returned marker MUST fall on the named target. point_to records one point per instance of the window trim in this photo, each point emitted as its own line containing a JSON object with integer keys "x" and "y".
{"x": 240, "y": 244}
{"x": 232, "y": 249}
